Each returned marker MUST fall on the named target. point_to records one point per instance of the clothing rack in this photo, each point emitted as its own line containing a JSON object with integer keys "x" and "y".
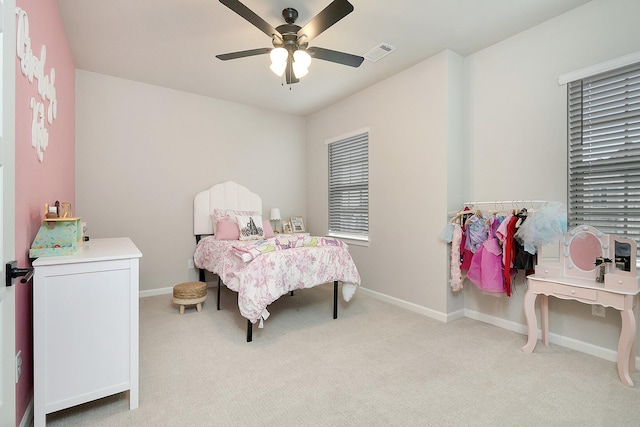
{"x": 503, "y": 205}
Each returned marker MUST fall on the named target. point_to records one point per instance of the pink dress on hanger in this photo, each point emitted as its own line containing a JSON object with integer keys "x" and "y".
{"x": 486, "y": 266}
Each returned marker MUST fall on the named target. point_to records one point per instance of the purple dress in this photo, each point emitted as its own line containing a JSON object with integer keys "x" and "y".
{"x": 486, "y": 270}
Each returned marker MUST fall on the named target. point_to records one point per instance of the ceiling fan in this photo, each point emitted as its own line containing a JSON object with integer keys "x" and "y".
{"x": 291, "y": 41}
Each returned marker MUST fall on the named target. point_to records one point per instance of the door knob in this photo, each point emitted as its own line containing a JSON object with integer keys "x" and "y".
{"x": 12, "y": 272}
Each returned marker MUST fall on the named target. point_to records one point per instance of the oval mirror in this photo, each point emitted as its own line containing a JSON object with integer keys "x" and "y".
{"x": 584, "y": 249}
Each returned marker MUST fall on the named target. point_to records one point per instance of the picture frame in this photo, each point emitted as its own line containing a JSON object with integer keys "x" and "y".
{"x": 286, "y": 227}
{"x": 297, "y": 223}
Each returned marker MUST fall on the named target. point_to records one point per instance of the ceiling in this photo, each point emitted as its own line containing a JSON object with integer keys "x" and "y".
{"x": 173, "y": 43}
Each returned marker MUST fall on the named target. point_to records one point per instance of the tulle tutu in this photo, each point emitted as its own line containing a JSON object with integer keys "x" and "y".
{"x": 544, "y": 226}
{"x": 447, "y": 233}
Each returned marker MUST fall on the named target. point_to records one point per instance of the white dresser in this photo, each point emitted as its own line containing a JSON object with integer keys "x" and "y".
{"x": 85, "y": 322}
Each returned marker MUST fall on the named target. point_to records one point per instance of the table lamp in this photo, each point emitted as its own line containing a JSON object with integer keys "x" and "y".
{"x": 275, "y": 217}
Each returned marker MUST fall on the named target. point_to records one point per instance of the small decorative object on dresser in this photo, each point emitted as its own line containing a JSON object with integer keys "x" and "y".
{"x": 286, "y": 227}
{"x": 298, "y": 224}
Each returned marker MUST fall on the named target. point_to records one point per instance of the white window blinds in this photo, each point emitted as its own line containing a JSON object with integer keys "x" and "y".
{"x": 349, "y": 186}
{"x": 604, "y": 151}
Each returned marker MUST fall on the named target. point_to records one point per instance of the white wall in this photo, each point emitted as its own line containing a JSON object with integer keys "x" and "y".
{"x": 517, "y": 130}
{"x": 143, "y": 152}
{"x": 487, "y": 127}
{"x": 408, "y": 119}
{"x": 514, "y": 148}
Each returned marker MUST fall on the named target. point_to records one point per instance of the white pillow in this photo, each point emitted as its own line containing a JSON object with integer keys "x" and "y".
{"x": 227, "y": 215}
{"x": 250, "y": 227}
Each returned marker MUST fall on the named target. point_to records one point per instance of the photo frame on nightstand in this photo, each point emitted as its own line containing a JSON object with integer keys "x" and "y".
{"x": 286, "y": 227}
{"x": 297, "y": 223}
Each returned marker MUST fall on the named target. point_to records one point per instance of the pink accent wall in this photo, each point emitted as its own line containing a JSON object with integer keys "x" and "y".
{"x": 43, "y": 182}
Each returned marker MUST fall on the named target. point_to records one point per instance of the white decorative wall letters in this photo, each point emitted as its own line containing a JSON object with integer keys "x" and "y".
{"x": 32, "y": 66}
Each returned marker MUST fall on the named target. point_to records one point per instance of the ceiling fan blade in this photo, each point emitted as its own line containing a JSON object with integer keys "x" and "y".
{"x": 243, "y": 53}
{"x": 250, "y": 16}
{"x": 331, "y": 14}
{"x": 335, "y": 56}
{"x": 288, "y": 72}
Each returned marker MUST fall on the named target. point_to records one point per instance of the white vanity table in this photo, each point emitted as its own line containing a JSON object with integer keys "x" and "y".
{"x": 85, "y": 322}
{"x": 574, "y": 277}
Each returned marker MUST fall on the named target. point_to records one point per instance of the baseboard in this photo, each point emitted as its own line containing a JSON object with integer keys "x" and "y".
{"x": 498, "y": 321}
{"x": 154, "y": 292}
{"x": 433, "y": 314}
{"x": 27, "y": 417}
{"x": 572, "y": 343}
{"x": 581, "y": 346}
{"x": 163, "y": 291}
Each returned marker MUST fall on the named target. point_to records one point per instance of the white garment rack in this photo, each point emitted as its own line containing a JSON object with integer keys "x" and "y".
{"x": 503, "y": 205}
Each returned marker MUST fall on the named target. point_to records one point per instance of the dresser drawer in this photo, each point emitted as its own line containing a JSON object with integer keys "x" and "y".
{"x": 575, "y": 292}
{"x": 548, "y": 271}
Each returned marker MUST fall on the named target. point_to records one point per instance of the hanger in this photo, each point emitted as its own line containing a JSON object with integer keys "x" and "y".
{"x": 495, "y": 209}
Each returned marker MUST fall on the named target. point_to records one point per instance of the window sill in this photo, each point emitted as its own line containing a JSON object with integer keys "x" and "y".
{"x": 350, "y": 239}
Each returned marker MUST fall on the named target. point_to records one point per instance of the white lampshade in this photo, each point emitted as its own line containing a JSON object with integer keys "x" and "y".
{"x": 302, "y": 58}
{"x": 278, "y": 68}
{"x": 275, "y": 214}
{"x": 299, "y": 71}
{"x": 278, "y": 57}
{"x": 279, "y": 54}
{"x": 301, "y": 62}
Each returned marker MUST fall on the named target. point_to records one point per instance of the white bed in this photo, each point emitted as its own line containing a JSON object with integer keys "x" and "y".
{"x": 271, "y": 267}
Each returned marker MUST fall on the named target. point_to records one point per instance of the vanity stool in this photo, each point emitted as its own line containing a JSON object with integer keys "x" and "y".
{"x": 190, "y": 293}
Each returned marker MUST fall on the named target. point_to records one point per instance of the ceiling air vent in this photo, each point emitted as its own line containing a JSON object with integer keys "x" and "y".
{"x": 379, "y": 52}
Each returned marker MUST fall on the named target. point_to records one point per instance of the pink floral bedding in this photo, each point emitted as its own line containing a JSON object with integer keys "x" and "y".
{"x": 256, "y": 248}
{"x": 270, "y": 275}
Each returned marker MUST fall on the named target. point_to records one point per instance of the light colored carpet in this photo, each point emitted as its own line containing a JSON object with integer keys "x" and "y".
{"x": 376, "y": 365}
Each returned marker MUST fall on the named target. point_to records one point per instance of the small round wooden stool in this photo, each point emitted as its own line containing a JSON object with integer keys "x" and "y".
{"x": 190, "y": 293}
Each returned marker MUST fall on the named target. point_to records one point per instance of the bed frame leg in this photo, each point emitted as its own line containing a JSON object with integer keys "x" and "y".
{"x": 218, "y": 293}
{"x": 249, "y": 331}
{"x": 335, "y": 299}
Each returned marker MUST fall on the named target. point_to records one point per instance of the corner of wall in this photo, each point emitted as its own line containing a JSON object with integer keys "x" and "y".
{"x": 457, "y": 155}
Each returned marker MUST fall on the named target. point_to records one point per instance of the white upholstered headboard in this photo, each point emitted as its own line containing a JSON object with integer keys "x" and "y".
{"x": 227, "y": 195}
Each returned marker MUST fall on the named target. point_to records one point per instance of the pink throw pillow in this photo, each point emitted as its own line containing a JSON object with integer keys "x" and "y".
{"x": 227, "y": 230}
{"x": 228, "y": 215}
{"x": 268, "y": 230}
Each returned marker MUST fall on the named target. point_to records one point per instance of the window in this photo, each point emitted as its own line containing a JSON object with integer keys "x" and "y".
{"x": 349, "y": 186}
{"x": 604, "y": 151}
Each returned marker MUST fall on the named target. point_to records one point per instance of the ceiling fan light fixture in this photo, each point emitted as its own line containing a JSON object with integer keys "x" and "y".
{"x": 290, "y": 41}
{"x": 302, "y": 58}
{"x": 278, "y": 68}
{"x": 301, "y": 62}
{"x": 278, "y": 57}
{"x": 279, "y": 54}
{"x": 299, "y": 71}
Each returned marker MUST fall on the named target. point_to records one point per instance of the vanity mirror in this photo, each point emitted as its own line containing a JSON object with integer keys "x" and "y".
{"x": 622, "y": 254}
{"x": 588, "y": 253}
{"x": 622, "y": 273}
{"x": 583, "y": 250}
{"x": 582, "y": 246}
